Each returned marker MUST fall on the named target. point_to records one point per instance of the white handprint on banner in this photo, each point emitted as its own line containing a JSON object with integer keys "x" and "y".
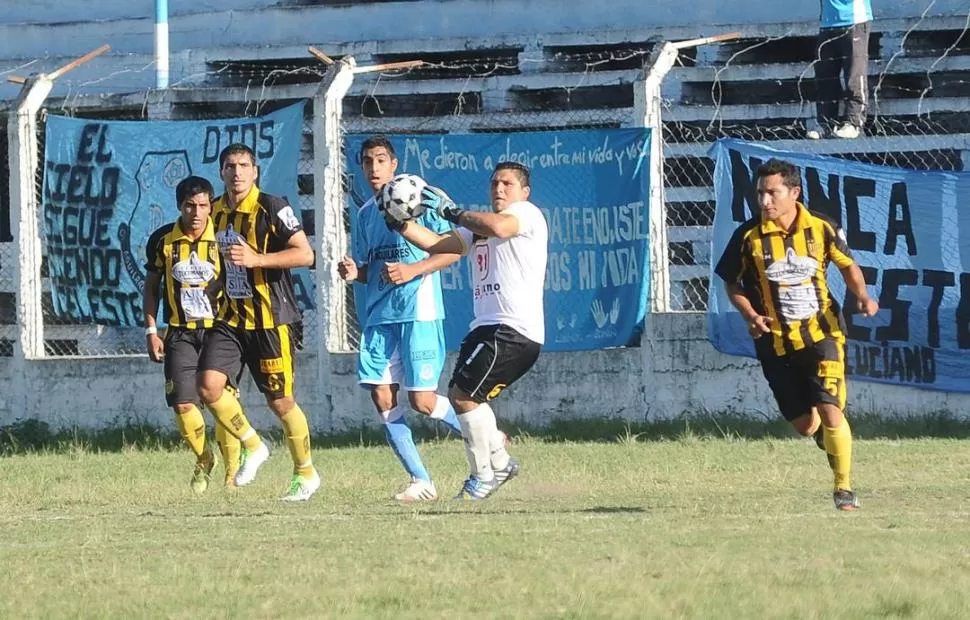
{"x": 599, "y": 316}
{"x": 615, "y": 311}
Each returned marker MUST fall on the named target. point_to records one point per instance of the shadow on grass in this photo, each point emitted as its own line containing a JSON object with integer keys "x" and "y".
{"x": 33, "y": 436}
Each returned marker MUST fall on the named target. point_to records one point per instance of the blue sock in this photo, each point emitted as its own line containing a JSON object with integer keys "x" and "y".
{"x": 401, "y": 440}
{"x": 446, "y": 413}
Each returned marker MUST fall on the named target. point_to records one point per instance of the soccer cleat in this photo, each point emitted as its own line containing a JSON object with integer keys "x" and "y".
{"x": 508, "y": 472}
{"x": 846, "y": 501}
{"x": 418, "y": 491}
{"x": 202, "y": 473}
{"x": 250, "y": 464}
{"x": 301, "y": 489}
{"x": 475, "y": 489}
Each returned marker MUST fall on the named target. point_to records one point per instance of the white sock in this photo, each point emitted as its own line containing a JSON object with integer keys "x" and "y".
{"x": 477, "y": 428}
{"x": 499, "y": 455}
{"x": 441, "y": 407}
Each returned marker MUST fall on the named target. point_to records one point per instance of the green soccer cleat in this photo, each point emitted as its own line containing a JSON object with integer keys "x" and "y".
{"x": 301, "y": 489}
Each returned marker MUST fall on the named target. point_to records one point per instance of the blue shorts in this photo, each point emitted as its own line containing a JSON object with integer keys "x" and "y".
{"x": 411, "y": 355}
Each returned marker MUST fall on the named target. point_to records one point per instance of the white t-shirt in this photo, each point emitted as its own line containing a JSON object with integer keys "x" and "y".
{"x": 508, "y": 275}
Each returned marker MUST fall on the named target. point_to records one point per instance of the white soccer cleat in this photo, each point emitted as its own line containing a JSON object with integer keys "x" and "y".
{"x": 418, "y": 491}
{"x": 847, "y": 131}
{"x": 301, "y": 489}
{"x": 251, "y": 463}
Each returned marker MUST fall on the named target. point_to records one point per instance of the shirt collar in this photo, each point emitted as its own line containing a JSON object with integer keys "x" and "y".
{"x": 802, "y": 222}
{"x": 207, "y": 235}
{"x": 247, "y": 205}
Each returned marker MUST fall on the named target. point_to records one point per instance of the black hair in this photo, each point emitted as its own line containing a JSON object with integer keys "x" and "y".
{"x": 190, "y": 186}
{"x": 788, "y": 171}
{"x": 521, "y": 171}
{"x": 236, "y": 148}
{"x": 377, "y": 141}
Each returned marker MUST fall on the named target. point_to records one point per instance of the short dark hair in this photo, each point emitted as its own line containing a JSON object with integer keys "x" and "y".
{"x": 377, "y": 141}
{"x": 190, "y": 186}
{"x": 520, "y": 171}
{"x": 790, "y": 175}
{"x": 236, "y": 148}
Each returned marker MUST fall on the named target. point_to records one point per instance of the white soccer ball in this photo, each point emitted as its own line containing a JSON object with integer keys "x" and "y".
{"x": 400, "y": 198}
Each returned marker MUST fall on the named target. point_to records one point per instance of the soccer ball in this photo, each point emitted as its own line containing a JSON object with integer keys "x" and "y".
{"x": 400, "y": 198}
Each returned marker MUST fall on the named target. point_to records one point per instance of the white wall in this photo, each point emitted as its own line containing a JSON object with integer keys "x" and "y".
{"x": 676, "y": 373}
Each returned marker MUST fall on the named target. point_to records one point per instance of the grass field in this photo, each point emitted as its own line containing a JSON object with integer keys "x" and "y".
{"x": 689, "y": 527}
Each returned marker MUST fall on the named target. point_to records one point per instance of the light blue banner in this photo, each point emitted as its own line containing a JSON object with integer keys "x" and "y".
{"x": 910, "y": 233}
{"x": 592, "y": 186}
{"x": 109, "y": 184}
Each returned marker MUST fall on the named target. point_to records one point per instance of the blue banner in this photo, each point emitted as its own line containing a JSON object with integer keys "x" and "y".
{"x": 905, "y": 229}
{"x": 109, "y": 184}
{"x": 592, "y": 186}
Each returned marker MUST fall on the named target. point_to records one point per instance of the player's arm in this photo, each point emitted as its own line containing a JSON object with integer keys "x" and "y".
{"x": 400, "y": 273}
{"x": 297, "y": 253}
{"x": 431, "y": 242}
{"x": 149, "y": 301}
{"x": 729, "y": 268}
{"x": 856, "y": 283}
{"x": 484, "y": 224}
{"x": 350, "y": 271}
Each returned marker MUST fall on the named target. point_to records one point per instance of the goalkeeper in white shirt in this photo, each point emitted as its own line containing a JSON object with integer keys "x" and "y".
{"x": 507, "y": 250}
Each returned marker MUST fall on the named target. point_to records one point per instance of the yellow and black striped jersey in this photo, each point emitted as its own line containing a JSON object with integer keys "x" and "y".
{"x": 190, "y": 274}
{"x": 783, "y": 275}
{"x": 257, "y": 298}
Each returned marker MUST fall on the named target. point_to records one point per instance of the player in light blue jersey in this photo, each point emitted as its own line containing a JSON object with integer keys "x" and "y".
{"x": 402, "y": 345}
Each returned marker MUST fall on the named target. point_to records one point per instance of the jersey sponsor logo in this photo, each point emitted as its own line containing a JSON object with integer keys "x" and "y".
{"x": 270, "y": 366}
{"x": 288, "y": 218}
{"x": 389, "y": 253}
{"x": 194, "y": 271}
{"x": 237, "y": 280}
{"x": 797, "y": 296}
{"x": 169, "y": 386}
{"x": 489, "y": 288}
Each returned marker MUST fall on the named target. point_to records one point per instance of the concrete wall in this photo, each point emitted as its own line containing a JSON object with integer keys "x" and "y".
{"x": 676, "y": 372}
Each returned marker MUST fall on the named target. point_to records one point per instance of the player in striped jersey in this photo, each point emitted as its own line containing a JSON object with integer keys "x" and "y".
{"x": 184, "y": 257}
{"x": 774, "y": 269}
{"x": 260, "y": 239}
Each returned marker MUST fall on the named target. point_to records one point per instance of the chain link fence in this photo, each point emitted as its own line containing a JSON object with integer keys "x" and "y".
{"x": 763, "y": 90}
{"x": 490, "y": 91}
{"x": 759, "y": 89}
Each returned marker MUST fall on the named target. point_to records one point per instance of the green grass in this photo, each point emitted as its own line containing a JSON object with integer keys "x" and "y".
{"x": 695, "y": 526}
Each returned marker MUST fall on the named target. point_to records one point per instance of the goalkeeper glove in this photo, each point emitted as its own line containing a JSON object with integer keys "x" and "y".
{"x": 435, "y": 198}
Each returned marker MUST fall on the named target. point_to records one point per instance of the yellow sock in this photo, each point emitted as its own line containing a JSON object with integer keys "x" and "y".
{"x": 838, "y": 444}
{"x": 192, "y": 426}
{"x": 229, "y": 413}
{"x": 297, "y": 433}
{"x": 230, "y": 448}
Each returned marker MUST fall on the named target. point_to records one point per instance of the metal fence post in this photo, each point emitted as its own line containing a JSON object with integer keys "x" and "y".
{"x": 25, "y": 206}
{"x": 331, "y": 238}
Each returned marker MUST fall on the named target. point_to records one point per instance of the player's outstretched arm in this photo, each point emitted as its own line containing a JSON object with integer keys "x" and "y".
{"x": 501, "y": 225}
{"x": 856, "y": 283}
{"x": 431, "y": 242}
